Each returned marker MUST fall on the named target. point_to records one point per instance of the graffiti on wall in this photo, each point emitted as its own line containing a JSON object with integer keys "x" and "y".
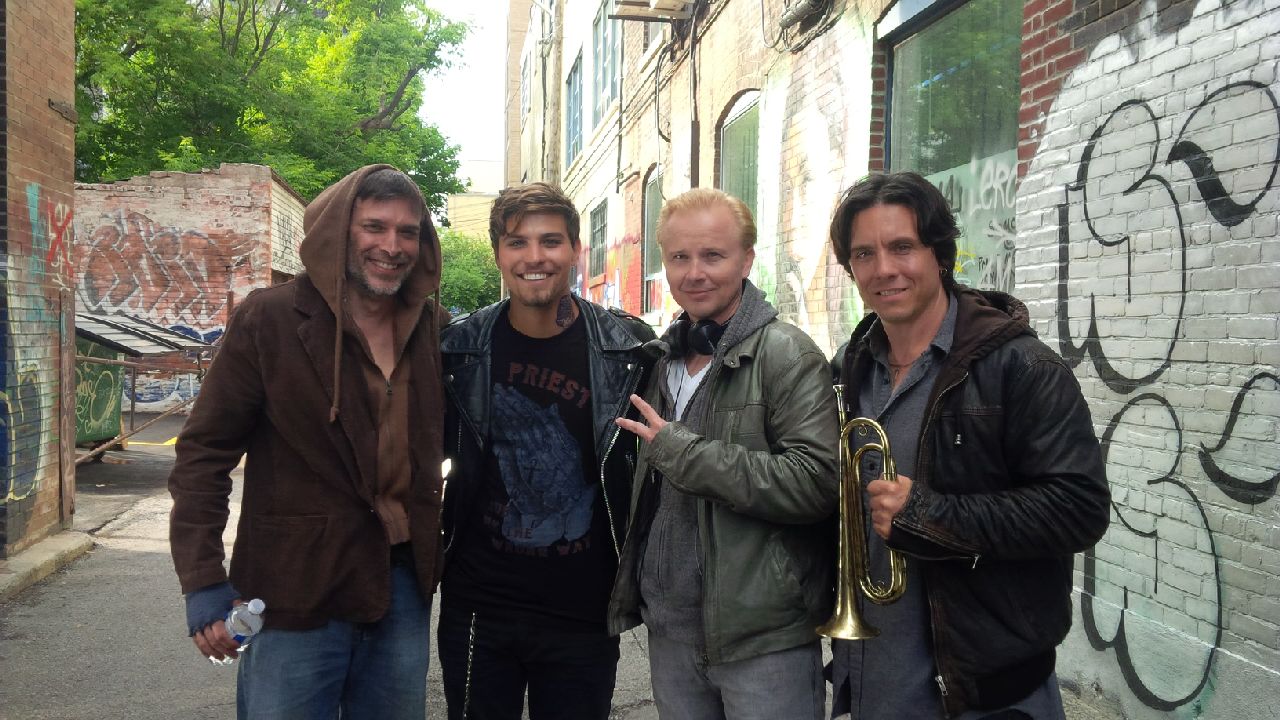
{"x": 981, "y": 195}
{"x": 1155, "y": 213}
{"x": 98, "y": 394}
{"x": 177, "y": 277}
{"x": 619, "y": 286}
{"x": 29, "y": 338}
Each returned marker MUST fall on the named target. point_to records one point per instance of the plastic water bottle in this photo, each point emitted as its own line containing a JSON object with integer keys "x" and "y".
{"x": 245, "y": 620}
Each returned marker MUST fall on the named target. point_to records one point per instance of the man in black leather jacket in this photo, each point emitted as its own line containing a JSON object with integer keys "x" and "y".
{"x": 536, "y": 504}
{"x": 1000, "y": 476}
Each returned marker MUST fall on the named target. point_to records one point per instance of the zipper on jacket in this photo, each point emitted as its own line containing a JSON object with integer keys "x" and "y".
{"x": 604, "y": 490}
{"x": 931, "y": 417}
{"x": 471, "y": 648}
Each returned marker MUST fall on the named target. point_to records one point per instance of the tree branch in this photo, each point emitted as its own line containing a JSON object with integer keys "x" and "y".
{"x": 389, "y": 112}
{"x": 266, "y": 43}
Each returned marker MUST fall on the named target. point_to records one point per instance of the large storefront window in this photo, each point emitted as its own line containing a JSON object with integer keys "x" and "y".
{"x": 954, "y": 119}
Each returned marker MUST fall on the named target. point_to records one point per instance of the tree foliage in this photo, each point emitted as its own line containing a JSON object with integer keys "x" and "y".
{"x": 314, "y": 88}
{"x": 469, "y": 279}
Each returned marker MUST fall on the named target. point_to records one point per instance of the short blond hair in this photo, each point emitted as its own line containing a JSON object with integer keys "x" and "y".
{"x": 707, "y": 199}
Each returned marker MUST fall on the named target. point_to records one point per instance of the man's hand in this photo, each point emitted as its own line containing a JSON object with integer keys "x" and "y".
{"x": 650, "y": 427}
{"x": 886, "y": 500}
{"x": 215, "y": 643}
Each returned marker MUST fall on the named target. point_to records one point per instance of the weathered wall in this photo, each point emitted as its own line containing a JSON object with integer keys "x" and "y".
{"x": 172, "y": 247}
{"x": 36, "y": 344}
{"x": 1149, "y": 257}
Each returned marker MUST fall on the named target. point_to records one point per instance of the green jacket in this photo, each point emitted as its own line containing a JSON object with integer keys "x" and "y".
{"x": 765, "y": 479}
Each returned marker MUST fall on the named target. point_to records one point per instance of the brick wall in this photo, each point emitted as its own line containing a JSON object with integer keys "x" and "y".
{"x": 1148, "y": 255}
{"x": 173, "y": 247}
{"x": 38, "y": 481}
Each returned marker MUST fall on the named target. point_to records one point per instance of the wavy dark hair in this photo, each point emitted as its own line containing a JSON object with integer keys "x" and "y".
{"x": 515, "y": 202}
{"x": 935, "y": 224}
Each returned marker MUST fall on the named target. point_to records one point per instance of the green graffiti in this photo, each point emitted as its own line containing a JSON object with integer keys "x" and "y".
{"x": 99, "y": 389}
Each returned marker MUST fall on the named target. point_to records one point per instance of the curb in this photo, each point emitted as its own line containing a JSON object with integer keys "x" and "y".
{"x": 41, "y": 560}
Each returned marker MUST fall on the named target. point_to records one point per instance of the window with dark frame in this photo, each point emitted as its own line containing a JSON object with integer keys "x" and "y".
{"x": 953, "y": 118}
{"x": 573, "y": 112}
{"x": 599, "y": 239}
{"x": 604, "y": 62}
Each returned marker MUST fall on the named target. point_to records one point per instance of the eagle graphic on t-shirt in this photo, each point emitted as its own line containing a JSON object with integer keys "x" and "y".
{"x": 541, "y": 467}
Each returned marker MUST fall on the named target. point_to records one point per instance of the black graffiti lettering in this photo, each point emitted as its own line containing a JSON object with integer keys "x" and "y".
{"x": 1243, "y": 491}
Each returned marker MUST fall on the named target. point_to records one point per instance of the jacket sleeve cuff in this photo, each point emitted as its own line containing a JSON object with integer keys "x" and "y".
{"x": 906, "y": 534}
{"x": 208, "y": 605}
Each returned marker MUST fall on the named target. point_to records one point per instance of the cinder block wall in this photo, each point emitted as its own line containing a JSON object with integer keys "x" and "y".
{"x": 1148, "y": 254}
{"x": 36, "y": 480}
{"x": 181, "y": 249}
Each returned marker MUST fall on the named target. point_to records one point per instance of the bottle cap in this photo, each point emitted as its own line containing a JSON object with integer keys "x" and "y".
{"x": 256, "y": 606}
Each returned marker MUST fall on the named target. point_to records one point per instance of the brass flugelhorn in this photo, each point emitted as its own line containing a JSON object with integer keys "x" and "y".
{"x": 853, "y": 571}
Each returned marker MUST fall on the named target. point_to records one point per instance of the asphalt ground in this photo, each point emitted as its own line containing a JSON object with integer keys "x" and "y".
{"x": 103, "y": 637}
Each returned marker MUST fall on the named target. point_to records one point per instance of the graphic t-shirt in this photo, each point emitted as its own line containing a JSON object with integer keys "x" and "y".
{"x": 541, "y": 545}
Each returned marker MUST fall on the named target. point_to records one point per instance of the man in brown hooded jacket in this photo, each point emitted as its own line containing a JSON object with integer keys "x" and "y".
{"x": 330, "y": 385}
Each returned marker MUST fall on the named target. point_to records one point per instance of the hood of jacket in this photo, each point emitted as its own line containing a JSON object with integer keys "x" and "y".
{"x": 326, "y": 230}
{"x": 326, "y": 227}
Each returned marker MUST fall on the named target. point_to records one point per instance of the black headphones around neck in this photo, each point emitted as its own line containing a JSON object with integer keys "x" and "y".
{"x": 700, "y": 337}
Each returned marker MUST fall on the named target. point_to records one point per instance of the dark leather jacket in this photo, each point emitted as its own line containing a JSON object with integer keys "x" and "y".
{"x": 617, "y": 367}
{"x": 1009, "y": 484}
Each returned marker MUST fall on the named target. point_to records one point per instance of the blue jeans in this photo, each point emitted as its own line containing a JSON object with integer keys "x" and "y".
{"x": 365, "y": 670}
{"x": 783, "y": 685}
{"x": 489, "y": 664}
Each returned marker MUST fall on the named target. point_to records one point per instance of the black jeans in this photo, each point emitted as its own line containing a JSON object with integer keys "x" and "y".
{"x": 488, "y": 665}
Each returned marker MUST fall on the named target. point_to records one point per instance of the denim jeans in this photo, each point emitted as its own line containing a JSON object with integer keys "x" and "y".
{"x": 365, "y": 670}
{"x": 783, "y": 685}
{"x": 487, "y": 666}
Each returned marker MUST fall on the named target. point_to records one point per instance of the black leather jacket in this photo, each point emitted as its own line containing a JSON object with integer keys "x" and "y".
{"x": 617, "y": 367}
{"x": 1009, "y": 484}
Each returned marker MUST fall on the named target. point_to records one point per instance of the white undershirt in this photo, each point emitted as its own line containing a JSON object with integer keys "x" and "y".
{"x": 680, "y": 384}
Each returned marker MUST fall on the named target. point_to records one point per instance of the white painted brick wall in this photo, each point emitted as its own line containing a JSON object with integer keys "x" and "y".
{"x": 1201, "y": 552}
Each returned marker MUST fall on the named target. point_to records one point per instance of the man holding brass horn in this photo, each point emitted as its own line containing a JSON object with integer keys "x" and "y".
{"x": 728, "y": 561}
{"x": 999, "y": 475}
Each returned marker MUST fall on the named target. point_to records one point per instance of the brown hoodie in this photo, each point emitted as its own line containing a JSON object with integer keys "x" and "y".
{"x": 290, "y": 392}
{"x": 326, "y": 227}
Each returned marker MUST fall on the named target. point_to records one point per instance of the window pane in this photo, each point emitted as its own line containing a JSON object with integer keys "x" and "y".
{"x": 954, "y": 119}
{"x": 573, "y": 113}
{"x": 652, "y": 206}
{"x": 599, "y": 238}
{"x": 739, "y": 143}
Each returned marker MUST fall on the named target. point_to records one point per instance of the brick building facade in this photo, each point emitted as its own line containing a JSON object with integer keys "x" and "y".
{"x": 1113, "y": 163}
{"x": 181, "y": 249}
{"x": 37, "y": 339}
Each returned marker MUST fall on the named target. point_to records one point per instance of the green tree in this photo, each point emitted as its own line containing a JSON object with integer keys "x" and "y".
{"x": 469, "y": 278}
{"x": 314, "y": 88}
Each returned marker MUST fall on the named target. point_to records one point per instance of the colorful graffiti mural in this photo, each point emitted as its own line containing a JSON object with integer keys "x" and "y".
{"x": 169, "y": 275}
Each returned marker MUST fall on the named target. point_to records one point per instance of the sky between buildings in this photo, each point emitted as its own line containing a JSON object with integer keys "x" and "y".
{"x": 466, "y": 101}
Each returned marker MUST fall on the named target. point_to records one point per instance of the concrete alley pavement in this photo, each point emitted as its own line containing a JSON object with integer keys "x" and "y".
{"x": 104, "y": 638}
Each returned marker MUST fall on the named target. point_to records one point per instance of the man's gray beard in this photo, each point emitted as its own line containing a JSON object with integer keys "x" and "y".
{"x": 362, "y": 285}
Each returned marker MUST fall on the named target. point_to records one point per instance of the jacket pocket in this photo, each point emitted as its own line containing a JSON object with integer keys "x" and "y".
{"x": 283, "y": 567}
